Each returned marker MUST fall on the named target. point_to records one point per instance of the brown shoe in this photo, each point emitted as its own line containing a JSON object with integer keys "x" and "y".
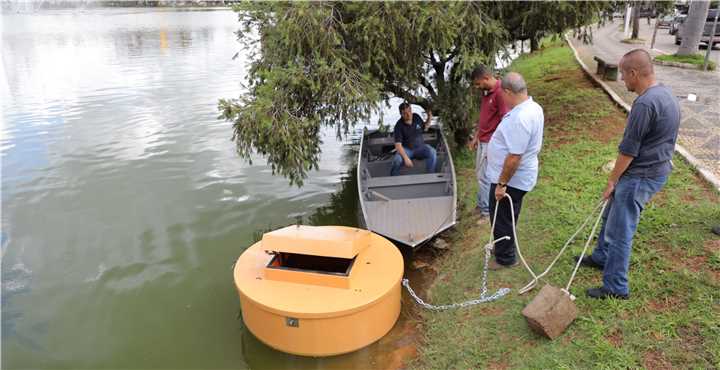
{"x": 478, "y": 212}
{"x": 495, "y": 266}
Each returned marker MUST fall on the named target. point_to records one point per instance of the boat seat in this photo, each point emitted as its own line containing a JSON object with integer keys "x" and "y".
{"x": 382, "y": 168}
{"x": 389, "y": 140}
{"x": 404, "y": 180}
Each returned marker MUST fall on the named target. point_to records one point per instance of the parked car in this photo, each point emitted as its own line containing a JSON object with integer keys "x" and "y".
{"x": 665, "y": 21}
{"x": 647, "y": 13}
{"x": 677, "y": 21}
{"x": 705, "y": 38}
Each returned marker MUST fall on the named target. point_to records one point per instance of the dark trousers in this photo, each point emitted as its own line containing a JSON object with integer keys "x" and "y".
{"x": 505, "y": 250}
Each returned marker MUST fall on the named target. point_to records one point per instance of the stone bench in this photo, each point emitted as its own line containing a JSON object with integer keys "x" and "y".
{"x": 608, "y": 71}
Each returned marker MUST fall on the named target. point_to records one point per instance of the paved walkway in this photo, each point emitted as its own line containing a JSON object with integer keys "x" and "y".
{"x": 700, "y": 126}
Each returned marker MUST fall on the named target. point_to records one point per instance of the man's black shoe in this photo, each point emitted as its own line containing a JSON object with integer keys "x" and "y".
{"x": 716, "y": 230}
{"x": 601, "y": 293}
{"x": 587, "y": 261}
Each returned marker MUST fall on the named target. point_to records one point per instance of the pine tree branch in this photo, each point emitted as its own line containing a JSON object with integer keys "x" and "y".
{"x": 406, "y": 95}
{"x": 426, "y": 84}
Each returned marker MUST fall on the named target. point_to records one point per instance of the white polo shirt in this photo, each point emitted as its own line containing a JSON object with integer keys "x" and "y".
{"x": 520, "y": 132}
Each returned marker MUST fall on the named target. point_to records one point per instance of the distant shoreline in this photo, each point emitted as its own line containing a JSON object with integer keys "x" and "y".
{"x": 22, "y": 6}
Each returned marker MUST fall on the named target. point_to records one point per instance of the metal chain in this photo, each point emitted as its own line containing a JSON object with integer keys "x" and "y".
{"x": 484, "y": 298}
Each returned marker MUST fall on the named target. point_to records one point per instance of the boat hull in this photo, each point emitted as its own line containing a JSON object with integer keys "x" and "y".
{"x": 413, "y": 207}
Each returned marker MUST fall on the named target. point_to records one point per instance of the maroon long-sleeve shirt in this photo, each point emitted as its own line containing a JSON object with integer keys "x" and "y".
{"x": 492, "y": 110}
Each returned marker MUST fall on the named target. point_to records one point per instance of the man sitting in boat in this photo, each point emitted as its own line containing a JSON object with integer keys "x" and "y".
{"x": 409, "y": 143}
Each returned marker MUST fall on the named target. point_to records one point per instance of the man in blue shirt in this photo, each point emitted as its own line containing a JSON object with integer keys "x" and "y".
{"x": 409, "y": 142}
{"x": 513, "y": 163}
{"x": 641, "y": 169}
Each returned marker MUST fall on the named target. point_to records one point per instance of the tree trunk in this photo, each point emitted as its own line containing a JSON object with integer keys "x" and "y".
{"x": 534, "y": 44}
{"x": 693, "y": 26}
{"x": 461, "y": 136}
{"x": 635, "y": 22}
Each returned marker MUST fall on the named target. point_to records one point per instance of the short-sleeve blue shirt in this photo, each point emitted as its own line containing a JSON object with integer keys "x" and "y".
{"x": 520, "y": 132}
{"x": 411, "y": 136}
{"x": 651, "y": 132}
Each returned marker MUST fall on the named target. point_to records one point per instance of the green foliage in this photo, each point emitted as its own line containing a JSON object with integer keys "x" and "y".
{"x": 533, "y": 20}
{"x": 334, "y": 63}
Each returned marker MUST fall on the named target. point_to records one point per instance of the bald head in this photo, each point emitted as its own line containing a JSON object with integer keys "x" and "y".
{"x": 514, "y": 89}
{"x": 638, "y": 60}
{"x": 514, "y": 82}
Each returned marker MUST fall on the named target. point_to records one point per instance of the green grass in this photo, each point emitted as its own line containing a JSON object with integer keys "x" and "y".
{"x": 673, "y": 315}
{"x": 696, "y": 59}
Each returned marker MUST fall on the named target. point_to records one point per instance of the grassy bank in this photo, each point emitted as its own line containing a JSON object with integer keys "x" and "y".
{"x": 673, "y": 316}
{"x": 696, "y": 60}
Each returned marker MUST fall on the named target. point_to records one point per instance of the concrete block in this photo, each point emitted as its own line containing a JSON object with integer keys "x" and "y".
{"x": 550, "y": 312}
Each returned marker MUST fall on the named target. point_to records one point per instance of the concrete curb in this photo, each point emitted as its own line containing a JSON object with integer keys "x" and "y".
{"x": 707, "y": 175}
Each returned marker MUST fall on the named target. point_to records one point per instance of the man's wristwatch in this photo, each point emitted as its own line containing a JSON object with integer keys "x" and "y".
{"x": 502, "y": 184}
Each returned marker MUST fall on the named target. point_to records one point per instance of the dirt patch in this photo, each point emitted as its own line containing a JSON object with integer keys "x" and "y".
{"x": 693, "y": 343}
{"x": 498, "y": 365}
{"x": 657, "y": 336}
{"x": 712, "y": 246}
{"x": 696, "y": 263}
{"x": 666, "y": 304}
{"x": 691, "y": 339}
{"x": 688, "y": 197}
{"x": 399, "y": 357}
{"x": 656, "y": 360}
{"x": 488, "y": 310}
{"x": 552, "y": 78}
{"x": 574, "y": 77}
{"x": 615, "y": 338}
{"x": 610, "y": 128}
{"x": 660, "y": 198}
{"x": 679, "y": 260}
{"x": 606, "y": 129}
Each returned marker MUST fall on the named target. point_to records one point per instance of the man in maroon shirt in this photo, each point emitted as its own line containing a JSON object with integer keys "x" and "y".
{"x": 492, "y": 110}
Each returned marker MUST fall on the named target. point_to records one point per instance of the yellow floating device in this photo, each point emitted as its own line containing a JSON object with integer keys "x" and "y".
{"x": 319, "y": 290}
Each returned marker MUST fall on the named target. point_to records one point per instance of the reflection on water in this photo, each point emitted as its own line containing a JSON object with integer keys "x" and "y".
{"x": 124, "y": 204}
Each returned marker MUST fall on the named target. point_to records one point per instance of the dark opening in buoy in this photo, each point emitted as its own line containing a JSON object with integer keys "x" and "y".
{"x": 310, "y": 263}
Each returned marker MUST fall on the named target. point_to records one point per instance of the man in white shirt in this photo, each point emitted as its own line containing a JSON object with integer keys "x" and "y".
{"x": 513, "y": 162}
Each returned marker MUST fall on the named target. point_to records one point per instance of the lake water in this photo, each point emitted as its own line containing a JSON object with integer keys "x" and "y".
{"x": 124, "y": 204}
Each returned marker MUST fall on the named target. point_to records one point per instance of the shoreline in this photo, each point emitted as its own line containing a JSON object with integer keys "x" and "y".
{"x": 26, "y": 7}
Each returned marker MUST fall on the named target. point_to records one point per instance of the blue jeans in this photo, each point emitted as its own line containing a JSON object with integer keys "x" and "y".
{"x": 422, "y": 152}
{"x": 483, "y": 182}
{"x": 620, "y": 221}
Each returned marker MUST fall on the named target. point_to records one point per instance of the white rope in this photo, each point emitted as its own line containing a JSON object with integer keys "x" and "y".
{"x": 536, "y": 278}
{"x": 587, "y": 243}
{"x": 484, "y": 298}
{"x": 514, "y": 230}
{"x": 533, "y": 283}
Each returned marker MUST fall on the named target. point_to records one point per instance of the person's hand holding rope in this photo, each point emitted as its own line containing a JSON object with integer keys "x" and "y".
{"x": 500, "y": 191}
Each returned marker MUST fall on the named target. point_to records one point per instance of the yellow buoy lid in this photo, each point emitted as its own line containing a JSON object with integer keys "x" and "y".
{"x": 317, "y": 241}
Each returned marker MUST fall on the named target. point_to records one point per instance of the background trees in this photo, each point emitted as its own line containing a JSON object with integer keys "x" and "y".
{"x": 693, "y": 27}
{"x": 334, "y": 63}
